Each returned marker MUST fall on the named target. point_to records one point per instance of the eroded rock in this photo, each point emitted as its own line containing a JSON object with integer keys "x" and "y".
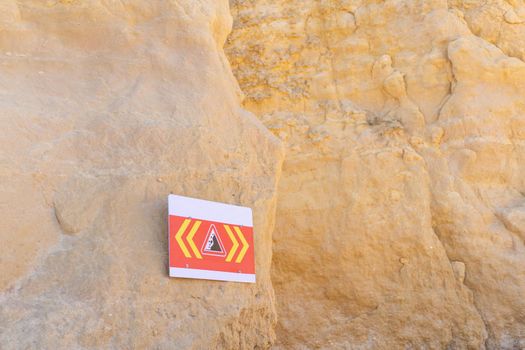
{"x": 101, "y": 99}
{"x": 382, "y": 207}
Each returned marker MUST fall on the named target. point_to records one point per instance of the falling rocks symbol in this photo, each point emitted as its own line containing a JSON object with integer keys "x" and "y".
{"x": 213, "y": 244}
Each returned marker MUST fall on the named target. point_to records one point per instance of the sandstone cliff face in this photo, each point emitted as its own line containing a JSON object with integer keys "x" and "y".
{"x": 106, "y": 108}
{"x": 400, "y": 212}
{"x": 400, "y": 217}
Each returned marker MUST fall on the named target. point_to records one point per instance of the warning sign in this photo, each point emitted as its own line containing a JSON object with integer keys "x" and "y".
{"x": 210, "y": 240}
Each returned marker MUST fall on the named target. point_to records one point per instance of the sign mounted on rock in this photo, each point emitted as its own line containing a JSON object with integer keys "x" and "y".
{"x": 210, "y": 240}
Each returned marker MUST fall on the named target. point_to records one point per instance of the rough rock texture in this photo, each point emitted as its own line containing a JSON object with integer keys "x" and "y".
{"x": 400, "y": 220}
{"x": 400, "y": 213}
{"x": 105, "y": 108}
{"x": 499, "y": 22}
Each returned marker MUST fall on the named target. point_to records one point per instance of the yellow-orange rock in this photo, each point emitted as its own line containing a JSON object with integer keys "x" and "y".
{"x": 400, "y": 210}
{"x": 399, "y": 216}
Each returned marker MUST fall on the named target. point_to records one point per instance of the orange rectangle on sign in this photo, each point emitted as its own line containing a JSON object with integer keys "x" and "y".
{"x": 210, "y": 240}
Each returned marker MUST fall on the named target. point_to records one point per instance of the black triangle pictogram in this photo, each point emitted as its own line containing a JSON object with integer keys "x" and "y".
{"x": 212, "y": 245}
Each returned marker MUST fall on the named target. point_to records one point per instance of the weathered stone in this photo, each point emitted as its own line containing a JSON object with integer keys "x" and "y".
{"x": 400, "y": 210}
{"x": 368, "y": 217}
{"x": 99, "y": 100}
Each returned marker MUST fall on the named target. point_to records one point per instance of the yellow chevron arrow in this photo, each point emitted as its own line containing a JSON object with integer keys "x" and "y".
{"x": 178, "y": 237}
{"x": 189, "y": 238}
{"x": 245, "y": 245}
{"x": 234, "y": 241}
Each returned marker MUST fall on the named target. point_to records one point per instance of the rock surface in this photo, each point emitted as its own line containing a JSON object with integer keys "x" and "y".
{"x": 400, "y": 209}
{"x": 105, "y": 108}
{"x": 399, "y": 215}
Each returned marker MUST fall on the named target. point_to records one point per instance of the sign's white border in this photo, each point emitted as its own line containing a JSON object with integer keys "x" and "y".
{"x": 212, "y": 275}
{"x": 210, "y": 211}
